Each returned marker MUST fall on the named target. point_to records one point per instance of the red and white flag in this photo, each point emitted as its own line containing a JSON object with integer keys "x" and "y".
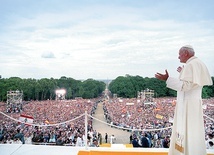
{"x": 26, "y": 119}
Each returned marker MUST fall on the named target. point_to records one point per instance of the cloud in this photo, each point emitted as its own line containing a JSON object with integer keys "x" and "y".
{"x": 102, "y": 41}
{"x": 47, "y": 55}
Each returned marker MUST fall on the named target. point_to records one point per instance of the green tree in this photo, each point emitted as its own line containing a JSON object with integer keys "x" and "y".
{"x": 123, "y": 87}
{"x": 92, "y": 88}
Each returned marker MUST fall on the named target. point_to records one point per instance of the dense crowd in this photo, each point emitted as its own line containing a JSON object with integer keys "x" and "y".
{"x": 147, "y": 118}
{"x": 46, "y": 113}
{"x": 144, "y": 120}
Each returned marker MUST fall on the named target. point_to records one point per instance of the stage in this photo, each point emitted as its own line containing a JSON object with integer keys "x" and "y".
{"x": 115, "y": 149}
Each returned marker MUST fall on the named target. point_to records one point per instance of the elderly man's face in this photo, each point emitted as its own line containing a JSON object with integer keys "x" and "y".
{"x": 182, "y": 56}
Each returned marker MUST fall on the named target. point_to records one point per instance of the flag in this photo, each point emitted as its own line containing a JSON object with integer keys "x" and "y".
{"x": 159, "y": 116}
{"x": 47, "y": 122}
{"x": 26, "y": 119}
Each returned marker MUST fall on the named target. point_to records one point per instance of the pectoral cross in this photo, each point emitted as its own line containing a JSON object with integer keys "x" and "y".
{"x": 178, "y": 143}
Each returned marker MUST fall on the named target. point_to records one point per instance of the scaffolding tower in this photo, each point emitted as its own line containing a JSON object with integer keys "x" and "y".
{"x": 148, "y": 96}
{"x": 14, "y": 101}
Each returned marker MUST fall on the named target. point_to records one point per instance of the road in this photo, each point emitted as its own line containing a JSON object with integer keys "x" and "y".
{"x": 122, "y": 137}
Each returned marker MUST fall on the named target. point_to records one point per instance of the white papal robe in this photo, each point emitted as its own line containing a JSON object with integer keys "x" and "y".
{"x": 188, "y": 134}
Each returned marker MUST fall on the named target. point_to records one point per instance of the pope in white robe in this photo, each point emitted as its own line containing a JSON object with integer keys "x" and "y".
{"x": 188, "y": 133}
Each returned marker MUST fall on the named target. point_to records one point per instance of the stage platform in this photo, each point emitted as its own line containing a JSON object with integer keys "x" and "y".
{"x": 115, "y": 149}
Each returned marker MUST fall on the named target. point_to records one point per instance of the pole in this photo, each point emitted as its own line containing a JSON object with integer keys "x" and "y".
{"x": 86, "y": 125}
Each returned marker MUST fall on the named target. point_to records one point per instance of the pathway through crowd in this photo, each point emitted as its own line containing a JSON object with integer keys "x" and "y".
{"x": 122, "y": 137}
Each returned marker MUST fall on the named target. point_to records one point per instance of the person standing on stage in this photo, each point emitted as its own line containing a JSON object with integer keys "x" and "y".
{"x": 188, "y": 134}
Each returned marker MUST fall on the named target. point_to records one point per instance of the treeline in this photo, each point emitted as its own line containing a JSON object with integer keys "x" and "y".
{"x": 44, "y": 88}
{"x": 128, "y": 86}
{"x": 124, "y": 86}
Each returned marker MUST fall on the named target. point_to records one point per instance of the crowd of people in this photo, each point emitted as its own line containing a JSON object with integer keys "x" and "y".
{"x": 153, "y": 120}
{"x": 47, "y": 123}
{"x": 150, "y": 122}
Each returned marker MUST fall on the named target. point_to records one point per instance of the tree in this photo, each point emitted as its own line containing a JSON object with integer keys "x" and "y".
{"x": 124, "y": 86}
{"x": 92, "y": 88}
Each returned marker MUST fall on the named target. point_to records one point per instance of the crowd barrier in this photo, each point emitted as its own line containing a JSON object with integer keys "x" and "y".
{"x": 115, "y": 149}
{"x": 127, "y": 149}
{"x": 123, "y": 153}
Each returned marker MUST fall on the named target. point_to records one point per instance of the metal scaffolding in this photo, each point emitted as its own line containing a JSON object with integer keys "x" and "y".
{"x": 148, "y": 96}
{"x": 14, "y": 101}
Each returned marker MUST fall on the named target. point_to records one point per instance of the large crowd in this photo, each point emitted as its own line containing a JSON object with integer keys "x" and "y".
{"x": 151, "y": 121}
{"x": 47, "y": 122}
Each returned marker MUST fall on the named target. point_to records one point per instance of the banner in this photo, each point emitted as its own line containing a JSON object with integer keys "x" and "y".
{"x": 129, "y": 103}
{"x": 26, "y": 119}
{"x": 159, "y": 116}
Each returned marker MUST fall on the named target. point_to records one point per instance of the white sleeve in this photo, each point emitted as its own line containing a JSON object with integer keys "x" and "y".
{"x": 174, "y": 83}
{"x": 179, "y": 85}
{"x": 189, "y": 86}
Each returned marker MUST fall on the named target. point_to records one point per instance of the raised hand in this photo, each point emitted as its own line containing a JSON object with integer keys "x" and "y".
{"x": 179, "y": 69}
{"x": 162, "y": 76}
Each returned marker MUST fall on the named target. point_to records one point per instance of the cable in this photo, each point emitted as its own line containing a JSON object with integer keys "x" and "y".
{"x": 129, "y": 128}
{"x": 95, "y": 119}
{"x": 39, "y": 124}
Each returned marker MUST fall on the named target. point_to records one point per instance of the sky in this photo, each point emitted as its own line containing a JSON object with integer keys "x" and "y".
{"x": 102, "y": 39}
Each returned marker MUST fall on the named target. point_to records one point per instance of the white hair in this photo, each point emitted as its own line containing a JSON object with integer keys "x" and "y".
{"x": 189, "y": 49}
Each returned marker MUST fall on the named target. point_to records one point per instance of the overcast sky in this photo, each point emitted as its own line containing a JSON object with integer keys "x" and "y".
{"x": 101, "y": 39}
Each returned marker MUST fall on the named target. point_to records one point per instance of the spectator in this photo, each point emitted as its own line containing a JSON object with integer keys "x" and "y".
{"x": 144, "y": 140}
{"x": 20, "y": 136}
{"x": 106, "y": 138}
{"x": 135, "y": 142}
{"x": 210, "y": 145}
{"x": 130, "y": 138}
{"x": 210, "y": 138}
{"x": 94, "y": 144}
{"x": 166, "y": 142}
{"x": 100, "y": 138}
{"x": 80, "y": 141}
{"x": 112, "y": 139}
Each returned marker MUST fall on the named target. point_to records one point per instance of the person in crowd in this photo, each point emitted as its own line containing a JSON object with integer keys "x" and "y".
{"x": 52, "y": 137}
{"x": 188, "y": 123}
{"x": 19, "y": 135}
{"x": 59, "y": 141}
{"x": 9, "y": 140}
{"x": 135, "y": 142}
{"x": 106, "y": 138}
{"x": 144, "y": 140}
{"x": 112, "y": 139}
{"x": 166, "y": 142}
{"x": 28, "y": 138}
{"x": 210, "y": 145}
{"x": 95, "y": 143}
{"x": 80, "y": 141}
{"x": 100, "y": 139}
{"x": 130, "y": 139}
{"x": 210, "y": 138}
{"x": 158, "y": 143}
{"x": 16, "y": 140}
